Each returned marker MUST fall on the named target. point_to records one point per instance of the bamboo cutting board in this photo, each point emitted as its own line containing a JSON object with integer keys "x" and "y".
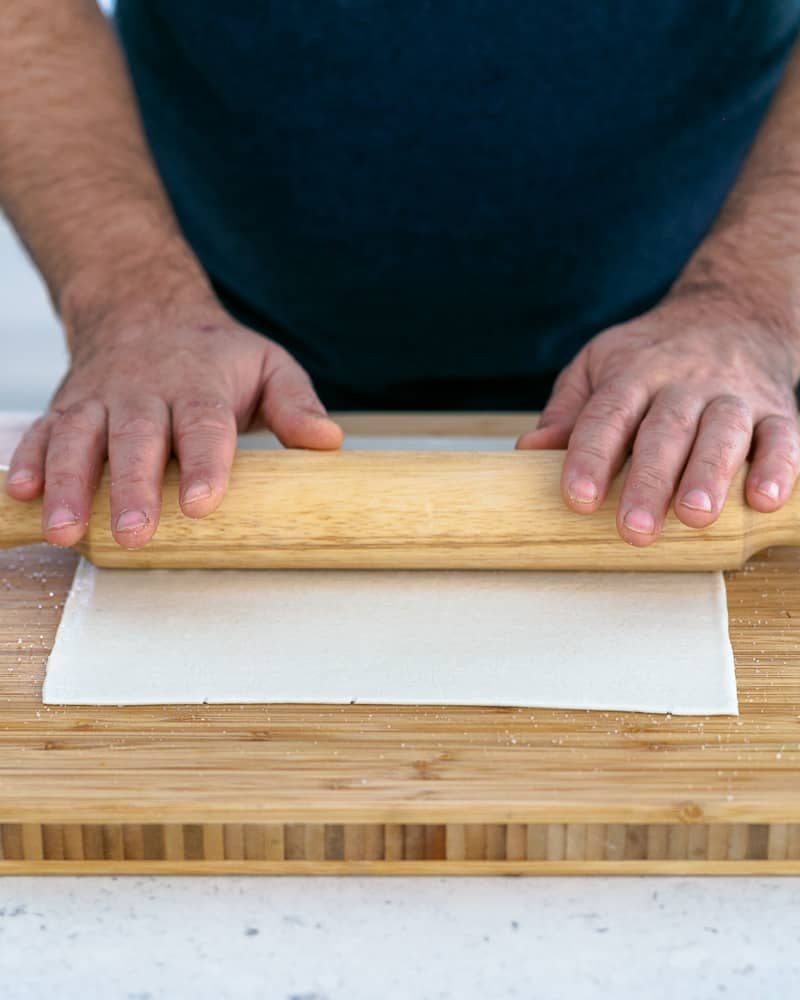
{"x": 374, "y": 789}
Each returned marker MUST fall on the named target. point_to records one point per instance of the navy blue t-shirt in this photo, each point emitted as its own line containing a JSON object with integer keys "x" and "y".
{"x": 448, "y": 191}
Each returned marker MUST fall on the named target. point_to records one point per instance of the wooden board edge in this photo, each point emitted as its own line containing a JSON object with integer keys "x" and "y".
{"x": 699, "y": 812}
{"x": 417, "y": 868}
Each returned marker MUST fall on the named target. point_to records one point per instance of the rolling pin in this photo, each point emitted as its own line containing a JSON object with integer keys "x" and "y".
{"x": 409, "y": 510}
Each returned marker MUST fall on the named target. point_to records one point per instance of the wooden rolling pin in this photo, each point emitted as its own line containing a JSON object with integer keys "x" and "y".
{"x": 409, "y": 510}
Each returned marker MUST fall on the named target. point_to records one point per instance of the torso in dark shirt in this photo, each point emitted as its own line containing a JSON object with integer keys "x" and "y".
{"x": 451, "y": 194}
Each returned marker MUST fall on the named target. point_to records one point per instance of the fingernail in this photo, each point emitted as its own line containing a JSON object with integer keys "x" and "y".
{"x": 640, "y": 521}
{"x": 131, "y": 520}
{"x": 197, "y": 491}
{"x": 769, "y": 489}
{"x": 20, "y": 477}
{"x": 61, "y": 517}
{"x": 697, "y": 500}
{"x": 582, "y": 490}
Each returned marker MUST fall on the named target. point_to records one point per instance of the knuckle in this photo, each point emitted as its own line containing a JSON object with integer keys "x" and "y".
{"x": 564, "y": 405}
{"x": 563, "y": 379}
{"x": 719, "y": 463}
{"x": 589, "y": 451}
{"x": 64, "y": 479}
{"x": 136, "y": 467}
{"x": 208, "y": 417}
{"x": 297, "y": 398}
{"x": 608, "y": 421}
{"x": 786, "y": 452}
{"x": 613, "y": 411}
{"x": 790, "y": 447}
{"x": 278, "y": 362}
{"x": 790, "y": 460}
{"x": 137, "y": 427}
{"x": 617, "y": 386}
{"x": 646, "y": 477}
{"x": 135, "y": 491}
{"x": 734, "y": 411}
{"x": 568, "y": 380}
{"x": 201, "y": 430}
{"x": 783, "y": 427}
{"x": 133, "y": 477}
{"x": 82, "y": 418}
{"x": 290, "y": 378}
{"x": 677, "y": 418}
{"x": 201, "y": 404}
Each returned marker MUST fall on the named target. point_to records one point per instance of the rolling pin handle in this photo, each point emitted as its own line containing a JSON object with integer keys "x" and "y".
{"x": 20, "y": 520}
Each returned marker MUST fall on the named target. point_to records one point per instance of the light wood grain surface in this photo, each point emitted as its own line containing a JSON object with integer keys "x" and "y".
{"x": 360, "y": 788}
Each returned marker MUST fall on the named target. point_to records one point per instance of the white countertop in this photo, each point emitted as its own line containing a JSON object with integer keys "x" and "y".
{"x": 390, "y": 938}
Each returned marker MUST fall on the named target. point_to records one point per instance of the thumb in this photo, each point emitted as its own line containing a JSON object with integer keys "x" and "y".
{"x": 290, "y": 407}
{"x": 569, "y": 396}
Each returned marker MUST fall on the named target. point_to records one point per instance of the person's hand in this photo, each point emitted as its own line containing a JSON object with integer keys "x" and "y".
{"x": 148, "y": 378}
{"x": 689, "y": 388}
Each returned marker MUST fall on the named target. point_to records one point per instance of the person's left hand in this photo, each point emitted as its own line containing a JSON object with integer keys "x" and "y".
{"x": 689, "y": 388}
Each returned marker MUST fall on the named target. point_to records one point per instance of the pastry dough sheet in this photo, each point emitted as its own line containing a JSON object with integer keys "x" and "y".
{"x": 655, "y": 642}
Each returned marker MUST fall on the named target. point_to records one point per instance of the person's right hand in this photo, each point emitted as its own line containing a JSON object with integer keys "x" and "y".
{"x": 146, "y": 380}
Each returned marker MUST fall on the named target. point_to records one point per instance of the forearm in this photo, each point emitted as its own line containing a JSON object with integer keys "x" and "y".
{"x": 76, "y": 177}
{"x": 753, "y": 248}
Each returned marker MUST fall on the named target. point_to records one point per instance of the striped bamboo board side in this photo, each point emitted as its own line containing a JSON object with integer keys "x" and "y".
{"x": 454, "y": 847}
